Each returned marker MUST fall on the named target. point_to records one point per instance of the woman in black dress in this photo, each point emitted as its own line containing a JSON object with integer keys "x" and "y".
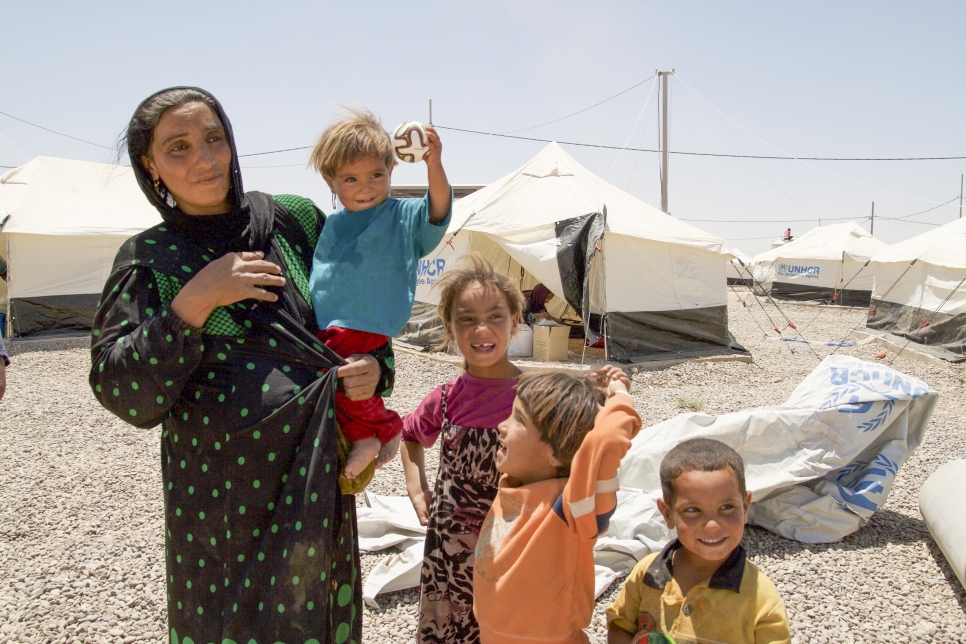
{"x": 205, "y": 326}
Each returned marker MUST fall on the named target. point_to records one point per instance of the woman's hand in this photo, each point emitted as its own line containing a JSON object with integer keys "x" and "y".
{"x": 230, "y": 278}
{"x": 360, "y": 376}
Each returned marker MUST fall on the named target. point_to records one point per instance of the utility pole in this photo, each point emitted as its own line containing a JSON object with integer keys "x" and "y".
{"x": 663, "y": 90}
{"x": 872, "y": 225}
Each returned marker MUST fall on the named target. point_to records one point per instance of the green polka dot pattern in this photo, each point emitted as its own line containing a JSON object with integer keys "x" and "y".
{"x": 300, "y": 277}
{"x": 247, "y": 502}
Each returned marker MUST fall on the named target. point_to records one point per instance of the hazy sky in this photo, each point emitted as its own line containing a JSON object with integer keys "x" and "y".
{"x": 821, "y": 79}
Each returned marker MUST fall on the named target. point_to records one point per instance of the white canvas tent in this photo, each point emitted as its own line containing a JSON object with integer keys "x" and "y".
{"x": 62, "y": 223}
{"x": 920, "y": 280}
{"x": 739, "y": 272}
{"x": 827, "y": 264}
{"x": 651, "y": 284}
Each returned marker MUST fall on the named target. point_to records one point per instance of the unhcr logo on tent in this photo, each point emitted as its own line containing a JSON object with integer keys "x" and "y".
{"x": 429, "y": 271}
{"x": 792, "y": 270}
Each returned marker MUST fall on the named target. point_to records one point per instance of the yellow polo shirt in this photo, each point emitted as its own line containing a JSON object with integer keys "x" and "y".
{"x": 737, "y": 604}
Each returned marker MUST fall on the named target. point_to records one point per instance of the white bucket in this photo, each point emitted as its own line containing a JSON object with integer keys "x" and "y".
{"x": 521, "y": 345}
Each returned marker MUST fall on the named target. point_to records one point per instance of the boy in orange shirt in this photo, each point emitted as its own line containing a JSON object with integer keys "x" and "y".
{"x": 533, "y": 579}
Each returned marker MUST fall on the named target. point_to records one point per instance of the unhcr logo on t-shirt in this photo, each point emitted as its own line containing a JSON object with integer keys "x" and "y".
{"x": 429, "y": 271}
{"x": 793, "y": 270}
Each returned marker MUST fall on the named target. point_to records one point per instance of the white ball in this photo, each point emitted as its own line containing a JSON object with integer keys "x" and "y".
{"x": 410, "y": 142}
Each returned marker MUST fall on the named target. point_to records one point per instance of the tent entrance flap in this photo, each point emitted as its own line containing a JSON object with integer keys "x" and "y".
{"x": 578, "y": 238}
{"x": 52, "y": 314}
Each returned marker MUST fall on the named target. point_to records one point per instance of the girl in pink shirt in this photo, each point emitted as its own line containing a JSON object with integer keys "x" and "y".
{"x": 480, "y": 309}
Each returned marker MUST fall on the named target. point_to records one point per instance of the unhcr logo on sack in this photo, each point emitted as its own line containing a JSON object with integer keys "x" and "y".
{"x": 429, "y": 271}
{"x": 792, "y": 270}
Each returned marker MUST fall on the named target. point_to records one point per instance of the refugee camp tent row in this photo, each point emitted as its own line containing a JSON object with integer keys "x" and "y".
{"x": 652, "y": 286}
{"x": 62, "y": 223}
{"x": 920, "y": 291}
{"x": 739, "y": 269}
{"x": 827, "y": 264}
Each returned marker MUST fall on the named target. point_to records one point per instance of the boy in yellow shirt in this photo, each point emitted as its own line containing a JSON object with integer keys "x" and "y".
{"x": 700, "y": 588}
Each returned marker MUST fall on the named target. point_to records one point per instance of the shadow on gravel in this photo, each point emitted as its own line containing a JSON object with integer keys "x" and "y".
{"x": 885, "y": 527}
{"x": 49, "y": 343}
{"x": 958, "y": 591}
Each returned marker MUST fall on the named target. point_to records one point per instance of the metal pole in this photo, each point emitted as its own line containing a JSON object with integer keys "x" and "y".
{"x": 664, "y": 76}
{"x": 430, "y": 111}
{"x": 960, "y": 196}
{"x": 872, "y": 224}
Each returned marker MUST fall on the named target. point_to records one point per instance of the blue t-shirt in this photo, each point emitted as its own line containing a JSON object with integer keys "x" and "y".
{"x": 364, "y": 268}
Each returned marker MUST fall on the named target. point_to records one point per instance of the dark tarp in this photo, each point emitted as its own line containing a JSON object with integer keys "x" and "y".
{"x": 661, "y": 335}
{"x": 425, "y": 329}
{"x": 811, "y": 293}
{"x": 52, "y": 314}
{"x": 577, "y": 240}
{"x": 946, "y": 332}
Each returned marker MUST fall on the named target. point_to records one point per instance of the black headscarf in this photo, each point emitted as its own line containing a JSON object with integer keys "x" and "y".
{"x": 250, "y": 217}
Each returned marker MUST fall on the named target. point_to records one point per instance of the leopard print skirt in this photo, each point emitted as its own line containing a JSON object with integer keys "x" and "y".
{"x": 465, "y": 488}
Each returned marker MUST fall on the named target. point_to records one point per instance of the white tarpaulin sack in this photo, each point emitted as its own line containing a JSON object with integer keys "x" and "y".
{"x": 817, "y": 466}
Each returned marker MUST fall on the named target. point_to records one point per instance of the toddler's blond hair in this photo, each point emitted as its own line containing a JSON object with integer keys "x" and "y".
{"x": 355, "y": 135}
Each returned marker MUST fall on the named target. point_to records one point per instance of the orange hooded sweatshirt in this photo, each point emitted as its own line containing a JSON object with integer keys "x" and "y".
{"x": 533, "y": 578}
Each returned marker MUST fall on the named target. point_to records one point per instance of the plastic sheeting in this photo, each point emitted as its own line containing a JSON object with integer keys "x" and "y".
{"x": 818, "y": 466}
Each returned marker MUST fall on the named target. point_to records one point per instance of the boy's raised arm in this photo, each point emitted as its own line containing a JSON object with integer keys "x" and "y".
{"x": 590, "y": 497}
{"x": 439, "y": 188}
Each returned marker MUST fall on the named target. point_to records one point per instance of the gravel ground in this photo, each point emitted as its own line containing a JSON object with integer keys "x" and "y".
{"x": 81, "y": 551}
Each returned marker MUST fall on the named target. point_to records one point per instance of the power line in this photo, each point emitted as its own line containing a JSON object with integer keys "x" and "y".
{"x": 775, "y": 221}
{"x": 47, "y": 129}
{"x": 921, "y": 212}
{"x": 258, "y": 154}
{"x": 533, "y": 127}
{"x": 799, "y": 159}
{"x": 574, "y": 143}
{"x": 696, "y": 154}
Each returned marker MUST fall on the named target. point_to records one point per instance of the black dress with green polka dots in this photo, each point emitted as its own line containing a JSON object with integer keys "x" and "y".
{"x": 260, "y": 543}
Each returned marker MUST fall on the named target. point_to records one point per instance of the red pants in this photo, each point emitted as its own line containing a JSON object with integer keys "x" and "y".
{"x": 360, "y": 418}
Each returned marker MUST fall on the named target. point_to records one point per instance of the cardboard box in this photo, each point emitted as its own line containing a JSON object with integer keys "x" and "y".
{"x": 521, "y": 345}
{"x": 550, "y": 342}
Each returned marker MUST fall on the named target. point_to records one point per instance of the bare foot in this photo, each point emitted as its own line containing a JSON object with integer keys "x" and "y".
{"x": 361, "y": 454}
{"x": 388, "y": 451}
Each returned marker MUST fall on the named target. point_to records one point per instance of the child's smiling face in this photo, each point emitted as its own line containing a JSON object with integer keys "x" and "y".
{"x": 523, "y": 454}
{"x": 362, "y": 184}
{"x": 482, "y": 325}
{"x": 709, "y": 513}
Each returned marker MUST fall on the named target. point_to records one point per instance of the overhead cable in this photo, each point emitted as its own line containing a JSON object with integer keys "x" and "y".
{"x": 55, "y": 132}
{"x": 802, "y": 159}
{"x": 533, "y": 127}
{"x": 574, "y": 143}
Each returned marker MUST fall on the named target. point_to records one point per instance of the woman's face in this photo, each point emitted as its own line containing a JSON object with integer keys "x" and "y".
{"x": 191, "y": 155}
